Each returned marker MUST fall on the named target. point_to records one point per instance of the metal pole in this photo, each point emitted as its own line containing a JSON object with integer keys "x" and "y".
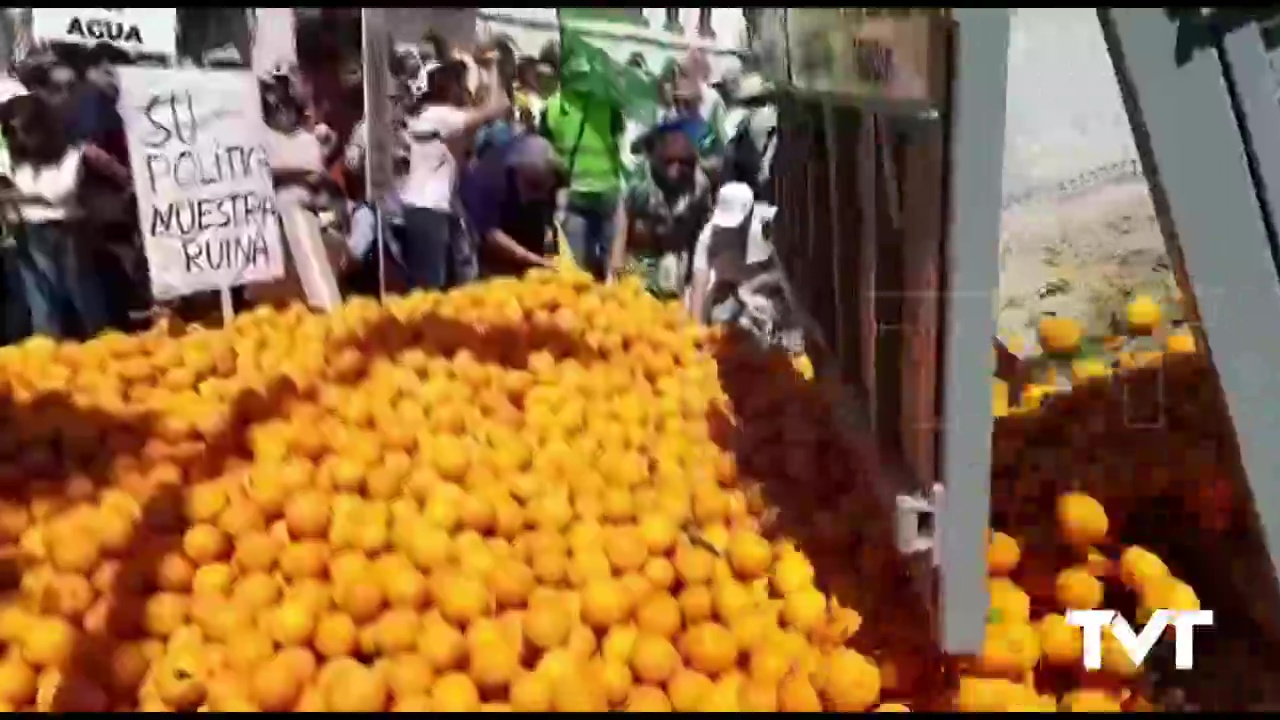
{"x": 1196, "y": 147}
{"x": 375, "y": 50}
{"x": 977, "y": 140}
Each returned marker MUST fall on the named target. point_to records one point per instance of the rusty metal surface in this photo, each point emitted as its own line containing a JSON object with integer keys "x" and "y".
{"x": 878, "y": 58}
{"x": 860, "y": 236}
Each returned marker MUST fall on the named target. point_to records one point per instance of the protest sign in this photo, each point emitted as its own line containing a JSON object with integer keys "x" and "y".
{"x": 206, "y": 202}
{"x": 146, "y": 30}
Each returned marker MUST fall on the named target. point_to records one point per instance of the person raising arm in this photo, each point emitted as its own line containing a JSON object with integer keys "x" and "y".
{"x": 462, "y": 122}
{"x": 440, "y": 130}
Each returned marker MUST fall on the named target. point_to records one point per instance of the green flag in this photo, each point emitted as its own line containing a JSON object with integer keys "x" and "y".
{"x": 589, "y": 70}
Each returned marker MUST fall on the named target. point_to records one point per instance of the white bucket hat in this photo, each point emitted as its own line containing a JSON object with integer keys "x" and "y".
{"x": 733, "y": 205}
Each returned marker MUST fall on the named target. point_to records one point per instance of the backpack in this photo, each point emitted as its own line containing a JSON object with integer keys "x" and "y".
{"x": 743, "y": 160}
{"x": 494, "y": 136}
{"x": 545, "y": 128}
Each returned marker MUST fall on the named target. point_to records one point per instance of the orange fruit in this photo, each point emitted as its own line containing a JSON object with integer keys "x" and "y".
{"x": 275, "y": 686}
{"x": 653, "y": 658}
{"x": 454, "y": 692}
{"x": 357, "y": 689}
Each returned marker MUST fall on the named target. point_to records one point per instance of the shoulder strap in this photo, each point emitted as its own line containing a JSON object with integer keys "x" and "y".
{"x": 582, "y": 130}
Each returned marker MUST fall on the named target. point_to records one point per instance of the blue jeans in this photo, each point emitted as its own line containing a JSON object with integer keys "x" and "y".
{"x": 588, "y": 227}
{"x": 17, "y": 320}
{"x": 61, "y": 289}
{"x": 434, "y": 249}
{"x": 123, "y": 279}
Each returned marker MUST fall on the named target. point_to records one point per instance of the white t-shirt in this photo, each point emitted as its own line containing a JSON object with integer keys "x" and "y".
{"x": 55, "y": 185}
{"x": 298, "y": 151}
{"x": 761, "y": 122}
{"x": 435, "y": 144}
{"x": 357, "y": 146}
{"x": 758, "y": 248}
{"x": 734, "y": 118}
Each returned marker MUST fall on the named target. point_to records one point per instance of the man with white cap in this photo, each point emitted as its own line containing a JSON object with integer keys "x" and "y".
{"x": 731, "y": 250}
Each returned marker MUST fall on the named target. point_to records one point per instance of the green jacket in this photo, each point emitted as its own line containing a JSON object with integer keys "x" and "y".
{"x": 587, "y": 133}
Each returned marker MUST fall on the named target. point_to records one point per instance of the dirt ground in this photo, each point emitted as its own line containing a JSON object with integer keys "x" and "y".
{"x": 1081, "y": 256}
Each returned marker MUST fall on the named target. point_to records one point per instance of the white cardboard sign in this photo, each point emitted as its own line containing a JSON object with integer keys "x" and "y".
{"x": 202, "y": 175}
{"x": 149, "y": 30}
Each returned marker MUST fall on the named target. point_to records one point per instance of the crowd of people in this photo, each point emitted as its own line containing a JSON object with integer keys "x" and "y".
{"x": 496, "y": 169}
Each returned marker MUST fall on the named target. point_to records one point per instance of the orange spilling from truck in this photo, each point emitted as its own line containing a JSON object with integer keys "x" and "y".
{"x": 541, "y": 494}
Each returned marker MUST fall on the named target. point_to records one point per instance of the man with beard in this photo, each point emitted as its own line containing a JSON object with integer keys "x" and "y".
{"x": 662, "y": 213}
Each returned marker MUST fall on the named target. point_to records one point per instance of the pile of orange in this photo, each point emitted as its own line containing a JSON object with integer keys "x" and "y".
{"x": 525, "y": 495}
{"x": 1031, "y": 660}
{"x": 530, "y": 495}
{"x": 1140, "y": 430}
{"x": 1146, "y": 342}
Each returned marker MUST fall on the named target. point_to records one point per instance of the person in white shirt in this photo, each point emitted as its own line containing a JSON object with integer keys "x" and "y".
{"x": 440, "y": 129}
{"x": 296, "y": 154}
{"x": 731, "y": 251}
{"x": 59, "y": 282}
